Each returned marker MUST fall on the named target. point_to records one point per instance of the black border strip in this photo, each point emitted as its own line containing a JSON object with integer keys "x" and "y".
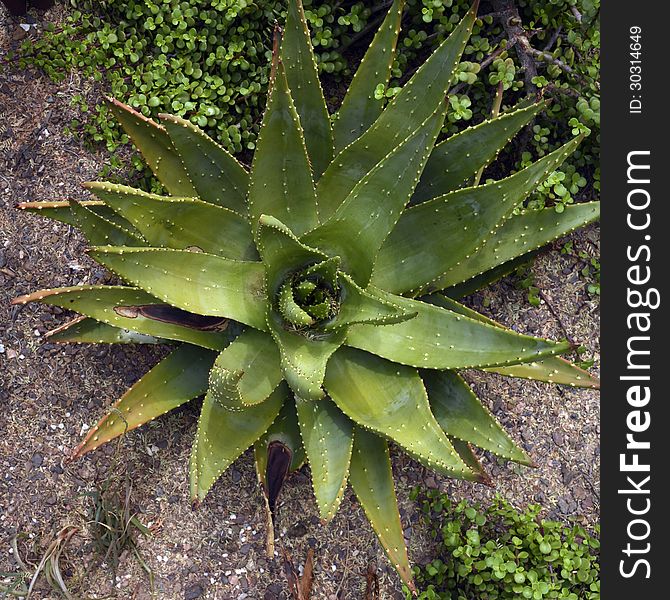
{"x": 635, "y": 568}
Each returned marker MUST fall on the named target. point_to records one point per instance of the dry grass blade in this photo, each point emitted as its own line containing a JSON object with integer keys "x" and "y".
{"x": 307, "y": 576}
{"x": 300, "y": 588}
{"x": 114, "y": 524}
{"x": 372, "y": 583}
{"x": 49, "y": 565}
{"x": 14, "y": 583}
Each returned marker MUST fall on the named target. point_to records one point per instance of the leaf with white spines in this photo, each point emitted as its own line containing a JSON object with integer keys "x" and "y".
{"x": 390, "y": 400}
{"x": 454, "y": 227}
{"x": 281, "y": 179}
{"x": 155, "y": 145}
{"x": 178, "y": 378}
{"x": 84, "y": 330}
{"x": 438, "y": 338}
{"x": 461, "y": 414}
{"x": 302, "y": 73}
{"x": 327, "y": 436}
{"x": 359, "y": 226}
{"x": 193, "y": 281}
{"x": 371, "y": 479}
{"x": 216, "y": 174}
{"x": 360, "y": 108}
{"x": 518, "y": 236}
{"x": 223, "y": 435}
{"x": 554, "y": 369}
{"x": 180, "y": 223}
{"x": 251, "y": 366}
{"x": 419, "y": 98}
{"x": 461, "y": 155}
{"x": 122, "y": 306}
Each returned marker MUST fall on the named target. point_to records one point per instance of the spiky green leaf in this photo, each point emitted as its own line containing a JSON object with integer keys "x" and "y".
{"x": 59, "y": 210}
{"x": 115, "y": 305}
{"x": 327, "y": 269}
{"x": 461, "y": 155}
{"x": 442, "y": 339}
{"x": 289, "y": 308}
{"x": 553, "y": 369}
{"x": 101, "y": 231}
{"x": 223, "y": 435}
{"x": 360, "y": 108}
{"x": 372, "y": 481}
{"x": 359, "y": 226}
{"x": 84, "y": 330}
{"x": 304, "y": 356}
{"x": 468, "y": 456}
{"x": 421, "y": 96}
{"x": 461, "y": 414}
{"x": 454, "y": 227}
{"x": 223, "y": 388}
{"x": 216, "y": 174}
{"x": 179, "y": 223}
{"x": 282, "y": 253}
{"x": 178, "y": 378}
{"x": 247, "y": 371}
{"x": 390, "y": 399}
{"x": 327, "y": 436}
{"x": 518, "y": 236}
{"x": 194, "y": 281}
{"x": 358, "y": 306}
{"x": 302, "y": 73}
{"x": 281, "y": 180}
{"x": 99, "y": 223}
{"x": 155, "y": 145}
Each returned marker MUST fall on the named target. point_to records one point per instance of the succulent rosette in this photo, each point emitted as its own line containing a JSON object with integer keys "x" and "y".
{"x": 313, "y": 298}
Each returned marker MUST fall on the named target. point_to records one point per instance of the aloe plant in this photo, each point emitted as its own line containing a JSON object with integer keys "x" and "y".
{"x": 313, "y": 298}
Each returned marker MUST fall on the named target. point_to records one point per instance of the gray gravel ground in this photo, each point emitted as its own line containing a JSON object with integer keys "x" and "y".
{"x": 49, "y": 394}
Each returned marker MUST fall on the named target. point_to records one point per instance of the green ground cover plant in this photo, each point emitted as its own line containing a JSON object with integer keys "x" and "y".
{"x": 501, "y": 553}
{"x": 208, "y": 62}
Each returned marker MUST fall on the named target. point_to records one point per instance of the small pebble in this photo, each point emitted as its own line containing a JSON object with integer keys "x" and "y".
{"x": 298, "y": 530}
{"x": 193, "y": 592}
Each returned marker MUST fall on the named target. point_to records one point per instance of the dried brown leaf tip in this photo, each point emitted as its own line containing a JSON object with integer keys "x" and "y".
{"x": 372, "y": 582}
{"x": 300, "y": 587}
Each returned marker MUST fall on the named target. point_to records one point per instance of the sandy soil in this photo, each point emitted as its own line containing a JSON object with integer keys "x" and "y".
{"x": 49, "y": 394}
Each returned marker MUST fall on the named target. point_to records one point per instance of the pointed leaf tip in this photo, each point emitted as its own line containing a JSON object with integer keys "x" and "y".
{"x": 371, "y": 479}
{"x": 327, "y": 436}
{"x": 463, "y": 416}
{"x": 359, "y": 108}
{"x": 391, "y": 400}
{"x": 132, "y": 309}
{"x": 178, "y": 378}
{"x": 281, "y": 178}
{"x": 153, "y": 142}
{"x": 425, "y": 91}
{"x": 223, "y": 435}
{"x": 217, "y": 175}
{"x": 297, "y": 54}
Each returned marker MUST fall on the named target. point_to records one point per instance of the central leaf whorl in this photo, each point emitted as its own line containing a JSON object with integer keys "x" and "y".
{"x": 307, "y": 298}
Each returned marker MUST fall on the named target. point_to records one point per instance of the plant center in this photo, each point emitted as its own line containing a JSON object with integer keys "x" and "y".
{"x": 305, "y": 300}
